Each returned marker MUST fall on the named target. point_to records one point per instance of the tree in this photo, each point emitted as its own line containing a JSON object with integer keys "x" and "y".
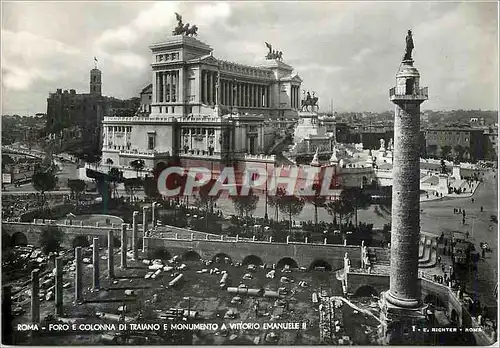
{"x": 81, "y": 241}
{"x": 459, "y": 152}
{"x": 445, "y": 151}
{"x": 292, "y": 206}
{"x": 274, "y": 200}
{"x": 245, "y": 205}
{"x": 318, "y": 201}
{"x": 44, "y": 180}
{"x": 340, "y": 207}
{"x": 51, "y": 239}
{"x": 132, "y": 184}
{"x": 115, "y": 176}
{"x": 356, "y": 197}
{"x": 151, "y": 187}
{"x": 7, "y": 161}
{"x": 206, "y": 199}
{"x": 76, "y": 186}
{"x": 138, "y": 165}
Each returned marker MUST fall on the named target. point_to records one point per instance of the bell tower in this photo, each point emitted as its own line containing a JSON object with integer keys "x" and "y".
{"x": 402, "y": 309}
{"x": 95, "y": 82}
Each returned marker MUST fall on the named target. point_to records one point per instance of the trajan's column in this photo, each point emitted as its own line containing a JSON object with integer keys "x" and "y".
{"x": 401, "y": 305}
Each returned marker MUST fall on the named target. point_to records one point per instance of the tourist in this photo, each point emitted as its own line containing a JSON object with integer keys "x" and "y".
{"x": 481, "y": 209}
{"x": 439, "y": 259}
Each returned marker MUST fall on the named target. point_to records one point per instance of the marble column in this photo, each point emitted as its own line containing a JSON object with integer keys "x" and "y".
{"x": 247, "y": 95}
{"x": 135, "y": 250}
{"x": 95, "y": 262}
{"x": 251, "y": 96}
{"x": 78, "y": 275}
{"x": 210, "y": 88}
{"x": 164, "y": 86}
{"x": 265, "y": 97}
{"x": 205, "y": 87}
{"x": 144, "y": 220}
{"x": 153, "y": 214}
{"x": 256, "y": 96}
{"x": 170, "y": 86}
{"x": 156, "y": 89}
{"x": 59, "y": 287}
{"x": 123, "y": 254}
{"x": 35, "y": 296}
{"x": 180, "y": 86}
{"x": 111, "y": 255}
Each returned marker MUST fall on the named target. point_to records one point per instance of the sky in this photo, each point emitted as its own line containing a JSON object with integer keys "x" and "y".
{"x": 347, "y": 52}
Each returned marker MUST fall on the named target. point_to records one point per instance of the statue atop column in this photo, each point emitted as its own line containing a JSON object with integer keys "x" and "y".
{"x": 182, "y": 29}
{"x": 409, "y": 46}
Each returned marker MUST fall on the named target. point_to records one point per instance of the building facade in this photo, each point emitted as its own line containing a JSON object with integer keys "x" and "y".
{"x": 202, "y": 107}
{"x": 450, "y": 142}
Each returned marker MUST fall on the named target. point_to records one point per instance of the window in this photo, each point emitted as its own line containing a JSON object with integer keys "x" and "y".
{"x": 151, "y": 141}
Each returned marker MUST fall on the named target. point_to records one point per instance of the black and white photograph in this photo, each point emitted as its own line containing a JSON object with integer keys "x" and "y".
{"x": 250, "y": 173}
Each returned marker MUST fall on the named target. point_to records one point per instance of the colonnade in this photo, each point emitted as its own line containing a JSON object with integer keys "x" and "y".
{"x": 167, "y": 83}
{"x": 233, "y": 92}
{"x": 295, "y": 97}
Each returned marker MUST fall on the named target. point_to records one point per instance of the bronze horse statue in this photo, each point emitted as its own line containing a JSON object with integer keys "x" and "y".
{"x": 181, "y": 29}
{"x": 309, "y": 102}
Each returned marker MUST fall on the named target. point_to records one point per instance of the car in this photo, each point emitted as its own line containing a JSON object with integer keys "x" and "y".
{"x": 493, "y": 218}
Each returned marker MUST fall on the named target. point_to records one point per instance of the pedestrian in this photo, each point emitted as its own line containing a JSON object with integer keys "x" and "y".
{"x": 439, "y": 259}
{"x": 481, "y": 209}
{"x": 483, "y": 252}
{"x": 472, "y": 200}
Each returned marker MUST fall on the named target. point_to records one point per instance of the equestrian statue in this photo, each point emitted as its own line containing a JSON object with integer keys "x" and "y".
{"x": 309, "y": 103}
{"x": 182, "y": 29}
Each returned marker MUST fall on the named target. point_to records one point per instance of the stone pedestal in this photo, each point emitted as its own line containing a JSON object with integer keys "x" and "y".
{"x": 59, "y": 287}
{"x": 35, "y": 296}
{"x": 135, "y": 250}
{"x": 111, "y": 255}
{"x": 123, "y": 254}
{"x": 78, "y": 274}
{"x": 95, "y": 262}
{"x": 402, "y": 325}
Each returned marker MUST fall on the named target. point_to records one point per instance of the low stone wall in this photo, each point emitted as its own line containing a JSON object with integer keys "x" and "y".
{"x": 269, "y": 252}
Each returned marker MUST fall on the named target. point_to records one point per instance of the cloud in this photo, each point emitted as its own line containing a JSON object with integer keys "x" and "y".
{"x": 346, "y": 51}
{"x": 27, "y": 57}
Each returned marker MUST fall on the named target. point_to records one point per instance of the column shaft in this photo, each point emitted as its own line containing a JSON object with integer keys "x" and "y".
{"x": 78, "y": 274}
{"x": 134, "y": 235}
{"x": 123, "y": 254}
{"x": 59, "y": 287}
{"x": 95, "y": 262}
{"x": 210, "y": 87}
{"x": 205, "y": 87}
{"x": 170, "y": 87}
{"x": 35, "y": 296}
{"x": 405, "y": 233}
{"x": 111, "y": 255}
